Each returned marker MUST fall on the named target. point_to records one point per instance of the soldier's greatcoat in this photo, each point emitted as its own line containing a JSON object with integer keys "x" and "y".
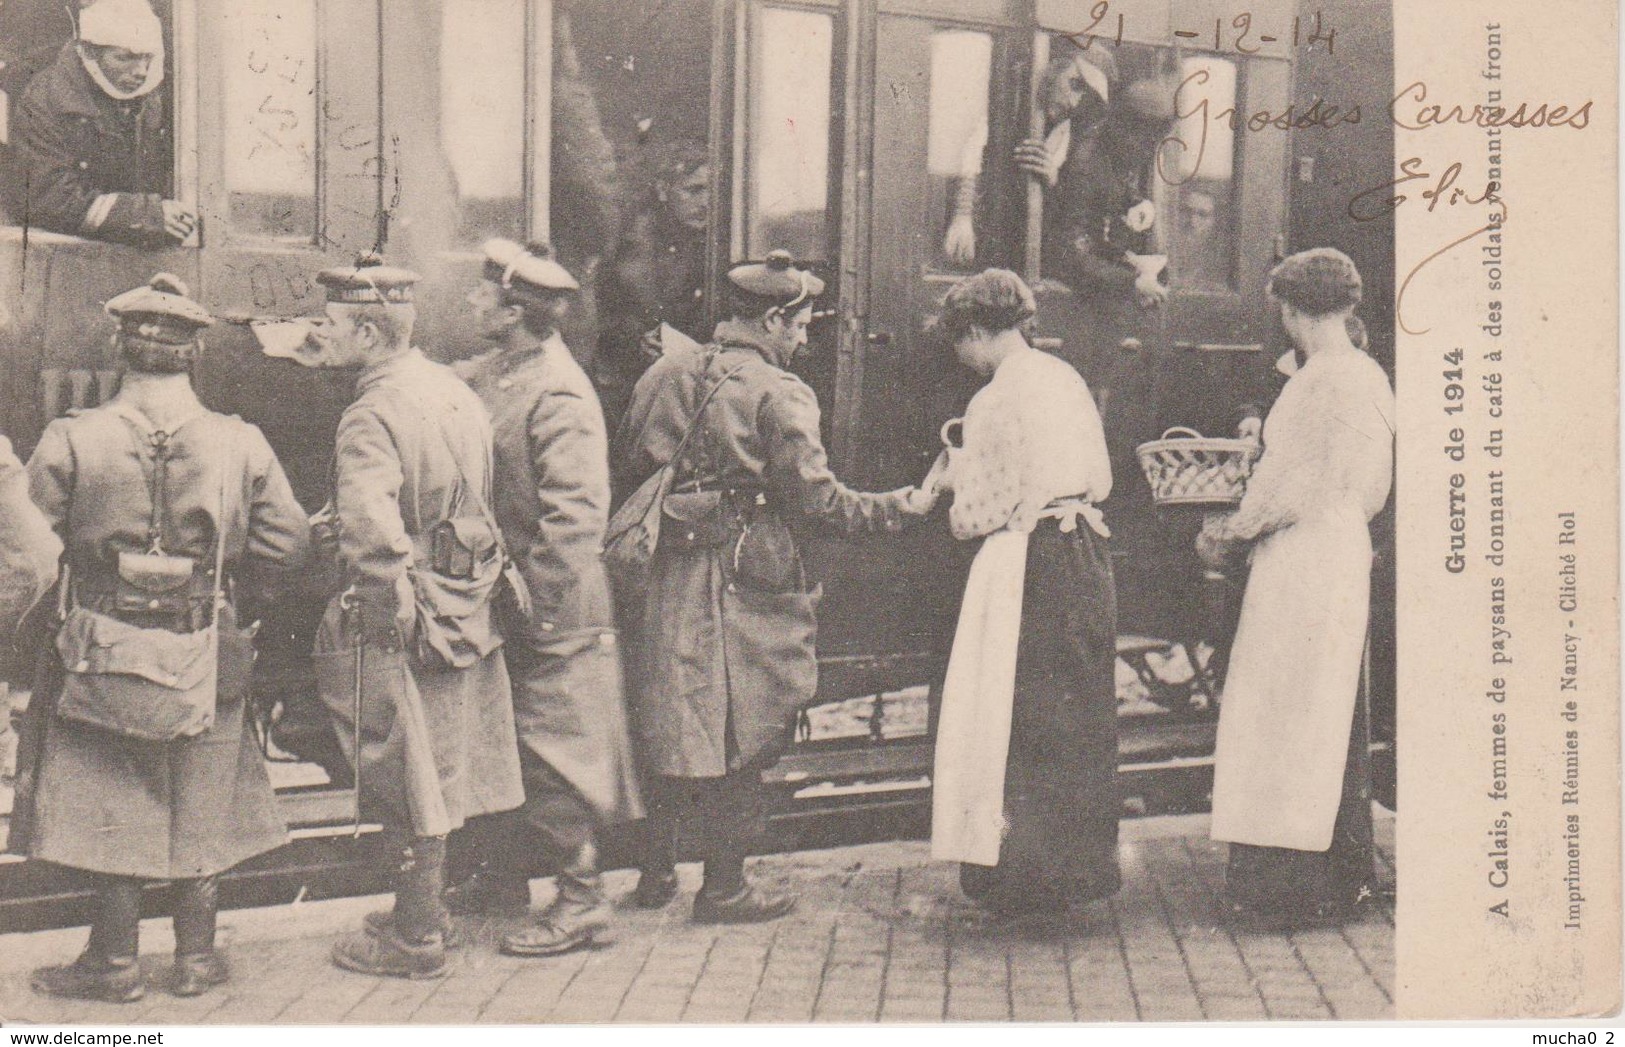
{"x": 552, "y": 504}
{"x": 191, "y": 807}
{"x": 413, "y": 453}
{"x": 28, "y": 547}
{"x": 724, "y": 649}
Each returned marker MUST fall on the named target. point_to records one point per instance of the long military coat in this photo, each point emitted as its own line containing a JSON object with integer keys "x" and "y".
{"x": 552, "y": 503}
{"x": 29, "y": 549}
{"x": 75, "y": 143}
{"x": 438, "y": 747}
{"x": 95, "y": 800}
{"x": 723, "y": 652}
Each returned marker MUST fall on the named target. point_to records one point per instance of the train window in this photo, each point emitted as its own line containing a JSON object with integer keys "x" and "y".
{"x": 482, "y": 114}
{"x": 270, "y": 100}
{"x": 785, "y": 192}
{"x": 1199, "y": 165}
{"x": 956, "y": 137}
{"x": 1133, "y": 183}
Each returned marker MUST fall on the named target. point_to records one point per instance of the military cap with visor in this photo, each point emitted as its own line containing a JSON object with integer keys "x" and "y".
{"x": 368, "y": 282}
{"x": 776, "y": 281}
{"x": 159, "y": 312}
{"x": 528, "y": 270}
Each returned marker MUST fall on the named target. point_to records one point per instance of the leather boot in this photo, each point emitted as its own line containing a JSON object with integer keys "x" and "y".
{"x": 413, "y": 943}
{"x": 578, "y": 916}
{"x": 749, "y": 905}
{"x": 727, "y": 897}
{"x": 489, "y": 892}
{"x": 657, "y": 872}
{"x": 198, "y": 967}
{"x": 108, "y": 969}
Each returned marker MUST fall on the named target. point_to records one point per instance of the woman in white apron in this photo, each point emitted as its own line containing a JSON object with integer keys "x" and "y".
{"x": 1025, "y": 783}
{"x": 1291, "y": 791}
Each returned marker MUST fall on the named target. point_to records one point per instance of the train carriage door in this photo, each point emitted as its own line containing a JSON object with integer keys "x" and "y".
{"x": 1205, "y": 87}
{"x": 285, "y": 110}
{"x": 947, "y": 94}
{"x": 1180, "y": 171}
{"x": 1221, "y": 179}
{"x": 788, "y": 131}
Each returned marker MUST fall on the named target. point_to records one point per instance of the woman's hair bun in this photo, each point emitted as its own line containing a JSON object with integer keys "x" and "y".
{"x": 994, "y": 300}
{"x": 1317, "y": 282}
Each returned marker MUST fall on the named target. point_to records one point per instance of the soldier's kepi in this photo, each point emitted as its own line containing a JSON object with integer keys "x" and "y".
{"x": 407, "y": 656}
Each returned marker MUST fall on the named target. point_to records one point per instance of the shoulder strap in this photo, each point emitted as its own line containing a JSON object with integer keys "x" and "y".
{"x": 694, "y": 420}
{"x": 157, "y": 440}
{"x": 467, "y": 488}
{"x": 220, "y": 537}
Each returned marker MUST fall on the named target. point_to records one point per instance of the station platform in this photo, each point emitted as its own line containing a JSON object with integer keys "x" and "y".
{"x": 882, "y": 934}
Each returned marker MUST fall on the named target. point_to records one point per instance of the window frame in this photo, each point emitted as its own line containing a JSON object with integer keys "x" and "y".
{"x": 747, "y": 30}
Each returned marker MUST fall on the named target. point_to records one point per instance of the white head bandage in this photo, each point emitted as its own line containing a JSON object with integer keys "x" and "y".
{"x": 127, "y": 24}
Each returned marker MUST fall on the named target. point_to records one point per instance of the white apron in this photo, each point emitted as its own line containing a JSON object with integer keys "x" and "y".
{"x": 1288, "y": 701}
{"x": 978, "y": 696}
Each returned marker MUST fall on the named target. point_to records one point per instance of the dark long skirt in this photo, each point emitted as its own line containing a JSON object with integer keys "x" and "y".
{"x": 1061, "y": 799}
{"x": 1280, "y": 888}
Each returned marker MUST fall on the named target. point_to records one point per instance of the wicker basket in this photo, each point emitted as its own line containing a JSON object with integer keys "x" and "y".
{"x": 1187, "y": 468}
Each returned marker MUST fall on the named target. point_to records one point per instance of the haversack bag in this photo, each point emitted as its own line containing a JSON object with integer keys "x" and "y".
{"x": 153, "y": 684}
{"x": 634, "y": 528}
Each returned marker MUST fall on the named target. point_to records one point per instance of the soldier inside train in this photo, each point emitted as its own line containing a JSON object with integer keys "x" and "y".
{"x": 1094, "y": 161}
{"x": 92, "y": 154}
{"x": 656, "y": 275}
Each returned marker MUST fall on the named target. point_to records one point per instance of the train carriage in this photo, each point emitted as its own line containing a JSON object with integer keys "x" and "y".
{"x": 873, "y": 139}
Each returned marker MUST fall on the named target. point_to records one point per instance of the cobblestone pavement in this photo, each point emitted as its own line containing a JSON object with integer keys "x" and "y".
{"x": 881, "y": 934}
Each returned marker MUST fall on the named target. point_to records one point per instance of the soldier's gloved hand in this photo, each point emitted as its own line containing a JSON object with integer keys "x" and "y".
{"x": 383, "y": 611}
{"x": 919, "y": 501}
{"x": 180, "y": 221}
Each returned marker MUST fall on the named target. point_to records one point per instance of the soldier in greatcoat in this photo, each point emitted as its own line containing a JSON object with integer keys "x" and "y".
{"x": 92, "y": 145}
{"x": 551, "y": 503}
{"x": 410, "y": 641}
{"x": 723, "y": 651}
{"x": 149, "y": 493}
{"x": 29, "y": 549}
